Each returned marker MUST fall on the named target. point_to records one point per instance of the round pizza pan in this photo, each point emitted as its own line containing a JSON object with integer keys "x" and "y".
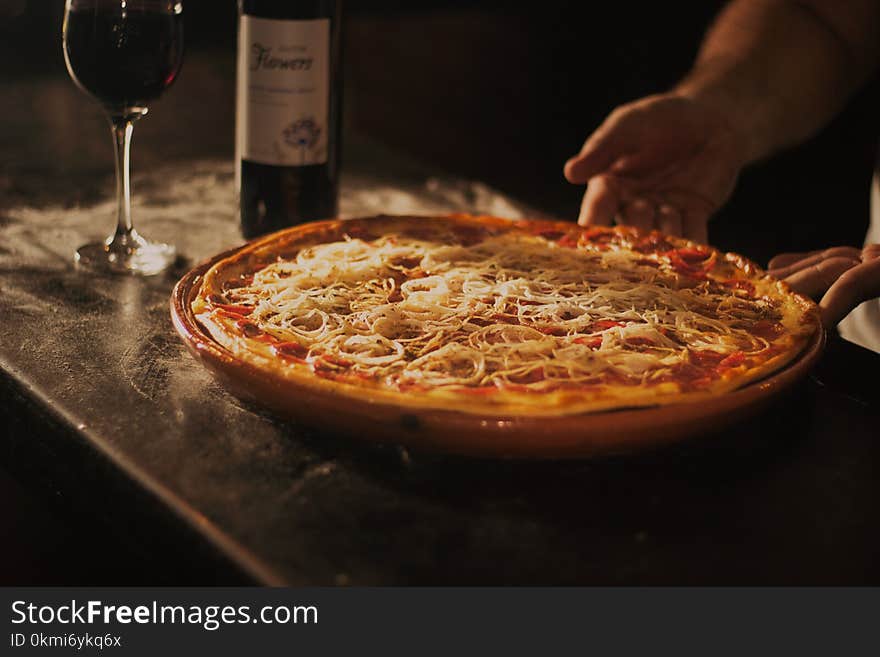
{"x": 503, "y": 436}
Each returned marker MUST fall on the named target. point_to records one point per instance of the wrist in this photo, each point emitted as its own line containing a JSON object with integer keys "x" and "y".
{"x": 732, "y": 108}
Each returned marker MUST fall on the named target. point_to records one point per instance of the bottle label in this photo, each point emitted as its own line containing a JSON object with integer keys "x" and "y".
{"x": 283, "y": 91}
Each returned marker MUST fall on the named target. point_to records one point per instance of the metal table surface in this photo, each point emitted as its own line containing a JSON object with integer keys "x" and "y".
{"x": 103, "y": 403}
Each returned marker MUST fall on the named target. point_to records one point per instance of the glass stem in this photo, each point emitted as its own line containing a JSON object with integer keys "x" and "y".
{"x": 122, "y": 127}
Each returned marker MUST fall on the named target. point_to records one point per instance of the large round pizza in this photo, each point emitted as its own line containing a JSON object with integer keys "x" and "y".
{"x": 498, "y": 319}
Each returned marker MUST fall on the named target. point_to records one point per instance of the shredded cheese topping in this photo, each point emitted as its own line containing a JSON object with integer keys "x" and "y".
{"x": 512, "y": 311}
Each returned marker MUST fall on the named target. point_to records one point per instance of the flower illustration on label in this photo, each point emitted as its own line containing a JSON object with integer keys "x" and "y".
{"x": 303, "y": 134}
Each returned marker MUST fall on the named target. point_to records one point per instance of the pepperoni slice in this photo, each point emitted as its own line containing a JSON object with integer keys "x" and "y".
{"x": 706, "y": 357}
{"x": 336, "y": 360}
{"x": 406, "y": 262}
{"x": 234, "y": 309}
{"x": 691, "y": 261}
{"x": 254, "y": 332}
{"x": 568, "y": 241}
{"x": 601, "y": 239}
{"x": 250, "y": 329}
{"x": 693, "y": 256}
{"x": 328, "y": 365}
{"x": 690, "y": 376}
{"x": 505, "y": 319}
{"x": 361, "y": 233}
{"x": 734, "y": 360}
{"x": 482, "y": 390}
{"x": 532, "y": 376}
{"x": 469, "y": 235}
{"x": 550, "y": 235}
{"x": 741, "y": 285}
{"x": 291, "y": 350}
{"x": 593, "y": 343}
{"x": 598, "y": 234}
{"x": 767, "y": 329}
{"x": 242, "y": 281}
{"x": 653, "y": 243}
{"x": 605, "y": 324}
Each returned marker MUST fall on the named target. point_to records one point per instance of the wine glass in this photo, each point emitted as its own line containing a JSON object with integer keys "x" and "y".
{"x": 124, "y": 53}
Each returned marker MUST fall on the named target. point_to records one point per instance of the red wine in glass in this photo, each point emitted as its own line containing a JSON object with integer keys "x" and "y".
{"x": 124, "y": 53}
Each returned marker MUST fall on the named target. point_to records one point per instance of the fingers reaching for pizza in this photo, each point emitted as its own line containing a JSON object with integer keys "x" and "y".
{"x": 814, "y": 272}
{"x": 787, "y": 263}
{"x": 854, "y": 286}
{"x": 664, "y": 162}
{"x": 843, "y": 277}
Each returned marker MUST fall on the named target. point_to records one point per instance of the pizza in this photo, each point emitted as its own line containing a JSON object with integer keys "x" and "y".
{"x": 484, "y": 315}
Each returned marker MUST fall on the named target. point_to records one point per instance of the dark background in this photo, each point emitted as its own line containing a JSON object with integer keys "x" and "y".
{"x": 488, "y": 90}
{"x": 505, "y": 94}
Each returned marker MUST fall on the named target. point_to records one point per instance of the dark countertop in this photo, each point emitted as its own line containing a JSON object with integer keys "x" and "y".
{"x": 104, "y": 404}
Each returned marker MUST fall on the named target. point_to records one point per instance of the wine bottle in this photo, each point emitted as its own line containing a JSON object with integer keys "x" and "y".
{"x": 288, "y": 112}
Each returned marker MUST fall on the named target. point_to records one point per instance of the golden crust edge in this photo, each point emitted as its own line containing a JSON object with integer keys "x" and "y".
{"x": 619, "y": 398}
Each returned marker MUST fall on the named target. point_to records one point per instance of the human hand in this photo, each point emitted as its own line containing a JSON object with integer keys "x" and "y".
{"x": 843, "y": 277}
{"x": 667, "y": 161}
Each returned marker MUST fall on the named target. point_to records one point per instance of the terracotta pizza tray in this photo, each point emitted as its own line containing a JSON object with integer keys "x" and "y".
{"x": 504, "y": 436}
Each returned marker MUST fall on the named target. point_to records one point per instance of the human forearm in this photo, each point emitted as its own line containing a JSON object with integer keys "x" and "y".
{"x": 779, "y": 70}
{"x": 770, "y": 74}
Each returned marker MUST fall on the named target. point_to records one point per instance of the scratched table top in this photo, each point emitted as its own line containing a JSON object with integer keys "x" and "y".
{"x": 104, "y": 402}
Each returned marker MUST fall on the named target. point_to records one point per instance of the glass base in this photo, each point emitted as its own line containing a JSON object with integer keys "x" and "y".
{"x": 131, "y": 255}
